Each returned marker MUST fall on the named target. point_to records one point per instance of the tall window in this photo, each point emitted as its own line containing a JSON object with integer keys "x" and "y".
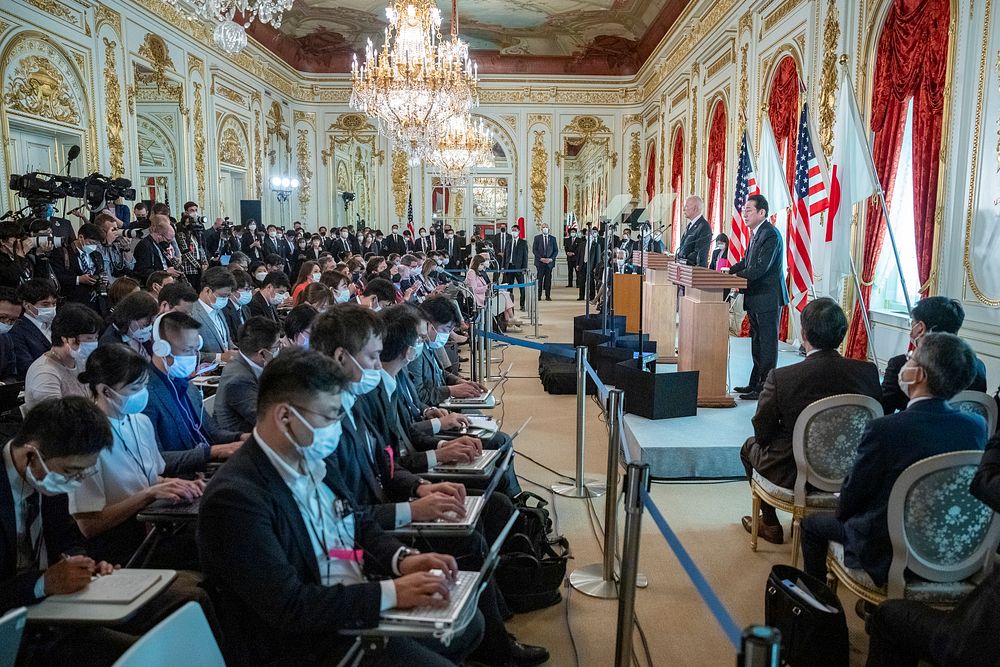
{"x": 677, "y": 184}
{"x": 887, "y": 291}
{"x": 716, "y": 166}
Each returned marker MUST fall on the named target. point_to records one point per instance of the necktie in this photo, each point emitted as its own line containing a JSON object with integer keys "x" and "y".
{"x": 545, "y": 244}
{"x": 30, "y": 549}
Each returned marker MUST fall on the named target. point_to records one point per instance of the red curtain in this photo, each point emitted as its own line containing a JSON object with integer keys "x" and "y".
{"x": 783, "y": 112}
{"x": 437, "y": 194}
{"x": 677, "y": 183}
{"x": 910, "y": 63}
{"x": 651, "y": 174}
{"x": 716, "y": 164}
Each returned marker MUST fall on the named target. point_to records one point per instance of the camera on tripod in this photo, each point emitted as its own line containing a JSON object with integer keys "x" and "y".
{"x": 41, "y": 190}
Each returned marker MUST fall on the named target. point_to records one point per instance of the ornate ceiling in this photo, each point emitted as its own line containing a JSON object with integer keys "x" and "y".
{"x": 601, "y": 37}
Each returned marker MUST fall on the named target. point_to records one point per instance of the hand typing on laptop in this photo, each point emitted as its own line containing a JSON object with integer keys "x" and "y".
{"x": 425, "y": 580}
{"x": 464, "y": 449}
{"x": 451, "y": 421}
{"x": 176, "y": 490}
{"x": 438, "y": 502}
{"x": 465, "y": 390}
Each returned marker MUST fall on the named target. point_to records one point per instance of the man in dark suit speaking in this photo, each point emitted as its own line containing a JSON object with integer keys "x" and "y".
{"x": 545, "y": 249}
{"x": 763, "y": 268}
{"x": 697, "y": 236}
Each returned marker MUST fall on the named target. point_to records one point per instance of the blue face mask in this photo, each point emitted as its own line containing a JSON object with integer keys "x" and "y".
{"x": 245, "y": 296}
{"x": 439, "y": 341}
{"x": 325, "y": 440}
{"x": 370, "y": 378}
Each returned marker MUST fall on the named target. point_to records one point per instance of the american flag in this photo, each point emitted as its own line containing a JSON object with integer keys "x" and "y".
{"x": 808, "y": 199}
{"x": 746, "y": 185}
{"x": 409, "y": 213}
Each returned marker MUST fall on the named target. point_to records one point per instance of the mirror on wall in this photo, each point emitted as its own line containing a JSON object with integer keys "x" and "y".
{"x": 160, "y": 141}
{"x": 482, "y": 201}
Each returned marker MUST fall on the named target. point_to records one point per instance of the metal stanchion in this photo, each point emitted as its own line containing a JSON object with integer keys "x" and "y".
{"x": 534, "y": 307}
{"x": 480, "y": 350}
{"x": 474, "y": 349}
{"x": 488, "y": 327}
{"x": 580, "y": 488}
{"x": 636, "y": 479}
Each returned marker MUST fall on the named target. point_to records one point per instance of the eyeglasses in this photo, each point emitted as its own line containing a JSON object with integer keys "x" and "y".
{"x": 332, "y": 420}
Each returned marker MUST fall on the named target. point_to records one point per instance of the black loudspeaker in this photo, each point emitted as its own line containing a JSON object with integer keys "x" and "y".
{"x": 594, "y": 322}
{"x": 250, "y": 209}
{"x": 657, "y": 395}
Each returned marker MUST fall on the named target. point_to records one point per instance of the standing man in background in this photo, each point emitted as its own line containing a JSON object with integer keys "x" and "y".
{"x": 569, "y": 245}
{"x": 765, "y": 294}
{"x": 697, "y": 236}
{"x": 545, "y": 249}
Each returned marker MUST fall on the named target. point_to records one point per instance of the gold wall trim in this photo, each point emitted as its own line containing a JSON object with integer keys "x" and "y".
{"x": 720, "y": 63}
{"x": 199, "y": 141}
{"x": 539, "y": 175}
{"x": 537, "y": 118}
{"x": 400, "y": 181}
{"x": 634, "y": 167}
{"x": 54, "y": 8}
{"x": 303, "y": 165}
{"x": 105, "y": 15}
{"x": 113, "y": 117}
{"x": 630, "y": 119}
{"x": 783, "y": 10}
{"x": 828, "y": 78}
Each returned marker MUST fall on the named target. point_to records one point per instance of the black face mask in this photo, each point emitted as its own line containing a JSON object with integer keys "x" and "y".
{"x": 503, "y": 230}
{"x": 397, "y": 278}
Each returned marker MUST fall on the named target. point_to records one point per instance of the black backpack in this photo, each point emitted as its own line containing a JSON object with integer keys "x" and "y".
{"x": 533, "y": 560}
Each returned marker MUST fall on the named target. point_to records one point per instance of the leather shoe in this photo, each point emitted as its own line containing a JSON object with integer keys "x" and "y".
{"x": 774, "y": 534}
{"x": 750, "y": 396}
{"x": 548, "y": 298}
{"x": 742, "y": 390}
{"x": 524, "y": 655}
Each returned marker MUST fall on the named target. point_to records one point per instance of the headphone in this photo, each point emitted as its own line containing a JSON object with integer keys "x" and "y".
{"x": 161, "y": 347}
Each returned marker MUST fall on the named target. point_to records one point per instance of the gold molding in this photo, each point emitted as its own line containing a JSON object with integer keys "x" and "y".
{"x": 726, "y": 58}
{"x": 54, "y": 8}
{"x": 510, "y": 119}
{"x": 305, "y": 170}
{"x": 304, "y": 117}
{"x": 828, "y": 78}
{"x": 155, "y": 50}
{"x": 745, "y": 24}
{"x": 679, "y": 99}
{"x": 539, "y": 175}
{"x": 631, "y": 118}
{"x": 400, "y": 181}
{"x": 634, "y": 166}
{"x": 230, "y": 147}
{"x": 693, "y": 150}
{"x": 113, "y": 115}
{"x": 540, "y": 118}
{"x": 105, "y": 15}
{"x": 194, "y": 63}
{"x": 744, "y": 93}
{"x": 38, "y": 88}
{"x": 976, "y": 136}
{"x": 231, "y": 95}
{"x": 275, "y": 128}
{"x": 3, "y": 26}
{"x": 199, "y": 141}
{"x": 586, "y": 126}
{"x": 258, "y": 154}
{"x": 778, "y": 14}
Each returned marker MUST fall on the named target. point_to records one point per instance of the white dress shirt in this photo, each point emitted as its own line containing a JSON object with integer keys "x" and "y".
{"x": 328, "y": 524}
{"x": 46, "y": 329}
{"x": 218, "y": 321}
{"x": 27, "y": 536}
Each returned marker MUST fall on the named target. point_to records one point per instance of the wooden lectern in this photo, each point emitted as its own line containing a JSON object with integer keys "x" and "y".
{"x": 703, "y": 342}
{"x": 659, "y": 304}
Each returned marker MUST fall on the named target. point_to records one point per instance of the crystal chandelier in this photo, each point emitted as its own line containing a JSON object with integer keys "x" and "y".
{"x": 415, "y": 84}
{"x": 230, "y": 35}
{"x": 465, "y": 146}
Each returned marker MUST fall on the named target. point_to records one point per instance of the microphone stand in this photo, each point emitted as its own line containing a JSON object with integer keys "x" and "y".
{"x": 642, "y": 279}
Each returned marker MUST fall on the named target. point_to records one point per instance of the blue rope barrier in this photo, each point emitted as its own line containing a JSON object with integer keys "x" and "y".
{"x": 551, "y": 348}
{"x": 602, "y": 389}
{"x": 513, "y": 285}
{"x": 704, "y": 589}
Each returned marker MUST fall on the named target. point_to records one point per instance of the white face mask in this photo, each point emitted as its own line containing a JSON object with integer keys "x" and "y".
{"x": 141, "y": 335}
{"x": 370, "y": 378}
{"x": 904, "y": 385}
{"x": 81, "y": 353}
{"x": 325, "y": 440}
{"x": 220, "y": 302}
{"x": 342, "y": 296}
{"x": 4, "y": 327}
{"x": 545, "y": 230}
{"x": 244, "y": 298}
{"x": 46, "y": 315}
{"x": 343, "y": 235}
{"x": 316, "y": 277}
{"x": 279, "y": 298}
{"x": 260, "y": 275}
{"x": 184, "y": 365}
{"x": 273, "y": 235}
{"x": 53, "y": 483}
{"x": 439, "y": 340}
{"x": 132, "y": 404}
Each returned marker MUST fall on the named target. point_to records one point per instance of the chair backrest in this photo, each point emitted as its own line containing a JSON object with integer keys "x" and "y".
{"x": 183, "y": 638}
{"x": 208, "y": 405}
{"x": 978, "y": 403}
{"x": 825, "y": 440}
{"x": 939, "y": 530}
{"x": 11, "y": 630}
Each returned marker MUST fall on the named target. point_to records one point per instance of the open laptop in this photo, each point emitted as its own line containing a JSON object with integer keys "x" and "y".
{"x": 473, "y": 507}
{"x": 167, "y": 508}
{"x": 483, "y": 399}
{"x": 11, "y": 630}
{"x": 482, "y": 464}
{"x": 464, "y": 590}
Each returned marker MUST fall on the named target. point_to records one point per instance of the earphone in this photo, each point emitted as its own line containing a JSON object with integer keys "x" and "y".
{"x": 161, "y": 347}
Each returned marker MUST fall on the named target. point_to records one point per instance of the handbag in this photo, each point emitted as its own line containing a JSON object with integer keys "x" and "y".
{"x": 810, "y": 617}
{"x": 532, "y": 563}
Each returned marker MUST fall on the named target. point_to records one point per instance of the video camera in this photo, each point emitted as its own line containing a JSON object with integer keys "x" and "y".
{"x": 41, "y": 189}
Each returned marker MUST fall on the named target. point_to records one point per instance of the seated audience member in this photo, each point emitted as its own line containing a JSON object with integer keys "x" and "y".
{"x": 55, "y": 450}
{"x": 340, "y": 285}
{"x": 54, "y": 374}
{"x": 941, "y": 366}
{"x": 31, "y": 335}
{"x": 377, "y": 294}
{"x": 308, "y": 274}
{"x": 157, "y": 280}
{"x": 316, "y": 295}
{"x": 217, "y": 283}
{"x": 10, "y": 312}
{"x": 236, "y": 401}
{"x": 237, "y": 311}
{"x": 931, "y": 314}
{"x": 120, "y": 289}
{"x": 297, "y": 326}
{"x": 479, "y": 282}
{"x": 132, "y": 323}
{"x": 790, "y": 390}
{"x": 272, "y": 294}
{"x": 284, "y": 603}
{"x": 904, "y": 632}
{"x": 187, "y": 437}
{"x": 434, "y": 384}
{"x": 177, "y": 297}
{"x": 128, "y": 474}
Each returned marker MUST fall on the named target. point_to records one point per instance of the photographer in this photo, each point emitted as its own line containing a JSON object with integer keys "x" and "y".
{"x": 194, "y": 258}
{"x": 155, "y": 251}
{"x": 114, "y": 248}
{"x": 14, "y": 246}
{"x": 80, "y": 278}
{"x": 218, "y": 240}
{"x": 141, "y": 219}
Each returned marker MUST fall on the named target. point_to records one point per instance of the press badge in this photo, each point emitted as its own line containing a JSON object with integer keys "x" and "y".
{"x": 344, "y": 528}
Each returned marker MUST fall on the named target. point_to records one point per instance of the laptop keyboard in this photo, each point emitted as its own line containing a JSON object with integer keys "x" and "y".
{"x": 457, "y": 592}
{"x": 480, "y": 463}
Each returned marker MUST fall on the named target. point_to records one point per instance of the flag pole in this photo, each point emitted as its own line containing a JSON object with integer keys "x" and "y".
{"x": 881, "y": 196}
{"x": 864, "y": 312}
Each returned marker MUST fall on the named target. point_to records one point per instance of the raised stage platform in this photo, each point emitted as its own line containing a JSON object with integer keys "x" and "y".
{"x": 707, "y": 445}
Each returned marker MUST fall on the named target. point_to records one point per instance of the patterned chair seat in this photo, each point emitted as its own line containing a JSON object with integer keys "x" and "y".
{"x": 814, "y": 499}
{"x": 918, "y": 589}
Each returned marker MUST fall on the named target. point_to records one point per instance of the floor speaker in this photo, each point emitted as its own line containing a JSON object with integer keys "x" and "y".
{"x": 657, "y": 395}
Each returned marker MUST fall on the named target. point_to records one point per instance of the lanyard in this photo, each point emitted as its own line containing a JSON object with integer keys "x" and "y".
{"x": 137, "y": 455}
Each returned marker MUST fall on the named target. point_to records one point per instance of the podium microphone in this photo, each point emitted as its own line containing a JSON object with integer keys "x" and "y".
{"x": 74, "y": 152}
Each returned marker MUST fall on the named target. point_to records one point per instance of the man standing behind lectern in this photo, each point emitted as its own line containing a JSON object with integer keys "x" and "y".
{"x": 697, "y": 236}
{"x": 765, "y": 293}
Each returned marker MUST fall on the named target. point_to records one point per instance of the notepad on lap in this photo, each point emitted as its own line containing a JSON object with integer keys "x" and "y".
{"x": 122, "y": 587}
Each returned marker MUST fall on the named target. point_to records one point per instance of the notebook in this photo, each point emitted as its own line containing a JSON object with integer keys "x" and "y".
{"x": 122, "y": 587}
{"x": 467, "y": 585}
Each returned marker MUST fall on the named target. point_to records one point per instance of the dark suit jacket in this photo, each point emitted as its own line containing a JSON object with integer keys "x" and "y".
{"x": 235, "y": 317}
{"x": 148, "y": 258}
{"x": 394, "y": 243}
{"x": 454, "y": 248}
{"x": 519, "y": 257}
{"x": 541, "y": 248}
{"x": 260, "y": 306}
{"x": 764, "y": 270}
{"x": 583, "y": 257}
{"x": 430, "y": 379}
{"x": 59, "y": 532}
{"x": 8, "y": 366}
{"x": 391, "y": 419}
{"x": 262, "y": 574}
{"x": 893, "y": 399}
{"x": 213, "y": 340}
{"x": 503, "y": 245}
{"x": 890, "y": 445}
{"x": 68, "y": 266}
{"x": 369, "y": 475}
{"x": 235, "y": 406}
{"x": 787, "y": 392}
{"x": 694, "y": 243}
{"x": 422, "y": 244}
{"x": 274, "y": 247}
{"x": 29, "y": 343}
{"x": 986, "y": 483}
